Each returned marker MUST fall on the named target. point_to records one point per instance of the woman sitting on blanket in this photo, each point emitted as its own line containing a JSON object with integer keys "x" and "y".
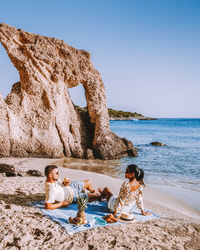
{"x": 131, "y": 192}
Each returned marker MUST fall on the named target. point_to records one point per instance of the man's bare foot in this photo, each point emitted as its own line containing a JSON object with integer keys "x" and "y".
{"x": 91, "y": 190}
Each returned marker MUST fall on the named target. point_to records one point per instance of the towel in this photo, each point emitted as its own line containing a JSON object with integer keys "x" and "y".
{"x": 94, "y": 215}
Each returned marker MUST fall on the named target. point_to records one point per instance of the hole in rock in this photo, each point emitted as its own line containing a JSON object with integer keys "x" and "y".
{"x": 78, "y": 98}
{"x": 78, "y": 95}
{"x": 9, "y": 74}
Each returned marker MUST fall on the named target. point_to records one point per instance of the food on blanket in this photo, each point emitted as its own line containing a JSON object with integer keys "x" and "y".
{"x": 82, "y": 205}
{"x": 110, "y": 218}
{"x": 70, "y": 220}
{"x": 77, "y": 221}
{"x": 80, "y": 221}
{"x": 113, "y": 218}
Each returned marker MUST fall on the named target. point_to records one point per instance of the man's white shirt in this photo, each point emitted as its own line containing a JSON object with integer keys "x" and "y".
{"x": 56, "y": 191}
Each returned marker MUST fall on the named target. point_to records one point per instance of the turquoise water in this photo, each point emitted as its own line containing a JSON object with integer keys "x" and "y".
{"x": 177, "y": 164}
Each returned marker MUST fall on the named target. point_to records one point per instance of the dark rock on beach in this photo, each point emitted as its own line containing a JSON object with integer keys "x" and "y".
{"x": 10, "y": 170}
{"x": 36, "y": 173}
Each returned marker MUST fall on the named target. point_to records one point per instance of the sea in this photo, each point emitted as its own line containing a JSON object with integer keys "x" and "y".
{"x": 175, "y": 165}
{"x": 174, "y": 168}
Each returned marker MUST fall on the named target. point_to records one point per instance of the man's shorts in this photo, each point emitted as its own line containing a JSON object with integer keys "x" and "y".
{"x": 78, "y": 187}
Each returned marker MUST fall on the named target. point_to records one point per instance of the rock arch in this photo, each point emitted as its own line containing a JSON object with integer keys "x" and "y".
{"x": 38, "y": 118}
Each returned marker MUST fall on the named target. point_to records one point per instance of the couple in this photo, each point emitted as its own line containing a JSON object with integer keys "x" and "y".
{"x": 63, "y": 193}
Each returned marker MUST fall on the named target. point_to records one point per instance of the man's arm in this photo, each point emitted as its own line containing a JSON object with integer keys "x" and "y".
{"x": 56, "y": 205}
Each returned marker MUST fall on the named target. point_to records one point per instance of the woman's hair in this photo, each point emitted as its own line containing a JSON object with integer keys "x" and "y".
{"x": 48, "y": 169}
{"x": 139, "y": 173}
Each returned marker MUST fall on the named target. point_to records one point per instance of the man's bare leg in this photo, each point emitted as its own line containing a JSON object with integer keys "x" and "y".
{"x": 88, "y": 186}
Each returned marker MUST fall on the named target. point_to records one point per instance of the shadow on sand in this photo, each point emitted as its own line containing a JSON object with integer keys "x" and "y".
{"x": 20, "y": 198}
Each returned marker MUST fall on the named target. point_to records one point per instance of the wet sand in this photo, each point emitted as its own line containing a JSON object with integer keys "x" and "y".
{"x": 24, "y": 227}
{"x": 187, "y": 197}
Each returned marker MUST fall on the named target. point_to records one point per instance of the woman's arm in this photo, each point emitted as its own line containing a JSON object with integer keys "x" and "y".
{"x": 140, "y": 202}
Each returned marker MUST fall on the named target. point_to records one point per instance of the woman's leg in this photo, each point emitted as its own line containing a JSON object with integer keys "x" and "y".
{"x": 93, "y": 197}
{"x": 88, "y": 186}
{"x": 106, "y": 193}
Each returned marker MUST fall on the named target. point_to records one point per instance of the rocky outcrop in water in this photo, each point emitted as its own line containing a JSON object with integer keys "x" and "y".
{"x": 38, "y": 118}
{"x": 157, "y": 143}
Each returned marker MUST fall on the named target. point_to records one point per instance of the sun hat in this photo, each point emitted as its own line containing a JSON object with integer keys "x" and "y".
{"x": 127, "y": 216}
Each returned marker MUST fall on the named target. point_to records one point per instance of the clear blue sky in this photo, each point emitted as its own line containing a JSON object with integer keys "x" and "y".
{"x": 147, "y": 51}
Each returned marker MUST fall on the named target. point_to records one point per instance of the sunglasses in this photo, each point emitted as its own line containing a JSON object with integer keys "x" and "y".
{"x": 127, "y": 172}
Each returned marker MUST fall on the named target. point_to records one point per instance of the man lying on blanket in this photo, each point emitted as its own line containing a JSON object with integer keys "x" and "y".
{"x": 63, "y": 193}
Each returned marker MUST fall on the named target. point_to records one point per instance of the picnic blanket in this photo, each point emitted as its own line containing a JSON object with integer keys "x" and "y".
{"x": 94, "y": 215}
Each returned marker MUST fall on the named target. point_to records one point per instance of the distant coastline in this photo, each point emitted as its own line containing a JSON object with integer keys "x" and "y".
{"x": 119, "y": 115}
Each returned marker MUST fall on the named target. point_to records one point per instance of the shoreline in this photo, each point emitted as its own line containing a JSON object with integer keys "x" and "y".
{"x": 25, "y": 227}
{"x": 132, "y": 118}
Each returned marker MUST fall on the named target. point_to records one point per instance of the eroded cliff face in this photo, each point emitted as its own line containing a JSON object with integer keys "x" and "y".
{"x": 38, "y": 118}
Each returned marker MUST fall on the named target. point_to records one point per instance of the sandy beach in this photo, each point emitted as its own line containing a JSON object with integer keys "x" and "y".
{"x": 25, "y": 227}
